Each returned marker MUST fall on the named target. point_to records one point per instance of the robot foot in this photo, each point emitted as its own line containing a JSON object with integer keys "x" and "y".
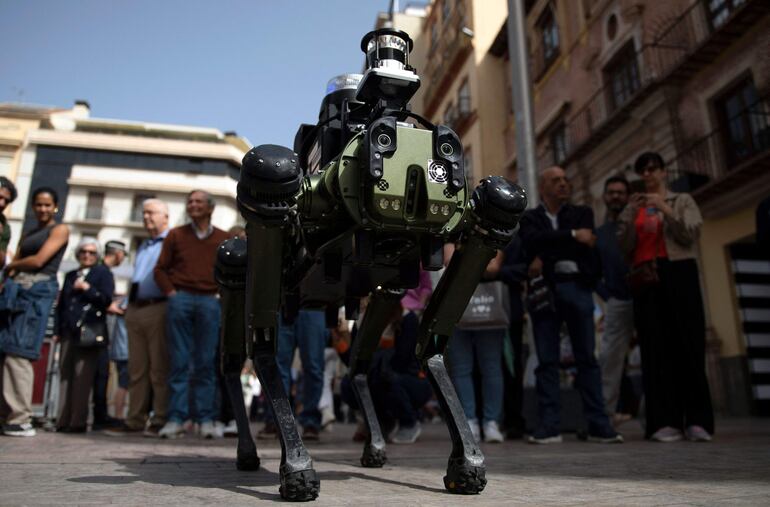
{"x": 373, "y": 457}
{"x": 300, "y": 486}
{"x": 464, "y": 479}
{"x": 247, "y": 462}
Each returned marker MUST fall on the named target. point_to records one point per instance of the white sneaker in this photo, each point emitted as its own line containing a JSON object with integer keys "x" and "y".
{"x": 492, "y": 433}
{"x": 171, "y": 430}
{"x": 697, "y": 434}
{"x": 667, "y": 434}
{"x": 19, "y": 430}
{"x": 231, "y": 430}
{"x": 475, "y": 430}
{"x": 208, "y": 430}
{"x": 406, "y": 435}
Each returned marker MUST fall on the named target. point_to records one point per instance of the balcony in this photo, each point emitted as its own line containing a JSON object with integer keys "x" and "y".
{"x": 445, "y": 59}
{"x": 99, "y": 216}
{"x": 459, "y": 117}
{"x": 728, "y": 158}
{"x": 692, "y": 41}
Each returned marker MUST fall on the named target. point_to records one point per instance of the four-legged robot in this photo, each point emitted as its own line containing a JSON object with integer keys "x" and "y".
{"x": 363, "y": 201}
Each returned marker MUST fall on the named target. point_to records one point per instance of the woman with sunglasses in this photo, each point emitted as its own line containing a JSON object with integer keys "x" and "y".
{"x": 29, "y": 291}
{"x": 85, "y": 296}
{"x": 658, "y": 231}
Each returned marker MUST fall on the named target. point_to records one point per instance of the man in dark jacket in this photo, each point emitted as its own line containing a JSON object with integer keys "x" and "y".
{"x": 559, "y": 239}
{"x": 613, "y": 289}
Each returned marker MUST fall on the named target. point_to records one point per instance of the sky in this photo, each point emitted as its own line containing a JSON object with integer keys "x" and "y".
{"x": 258, "y": 67}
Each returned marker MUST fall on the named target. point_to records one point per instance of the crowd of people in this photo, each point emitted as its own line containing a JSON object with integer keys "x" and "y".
{"x": 163, "y": 336}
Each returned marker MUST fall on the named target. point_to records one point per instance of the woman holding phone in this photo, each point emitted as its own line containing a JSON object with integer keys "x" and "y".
{"x": 658, "y": 231}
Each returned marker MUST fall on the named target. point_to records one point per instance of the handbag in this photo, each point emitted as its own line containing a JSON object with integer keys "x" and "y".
{"x": 92, "y": 332}
{"x": 539, "y": 296}
{"x": 645, "y": 274}
{"x": 488, "y": 308}
{"x": 642, "y": 276}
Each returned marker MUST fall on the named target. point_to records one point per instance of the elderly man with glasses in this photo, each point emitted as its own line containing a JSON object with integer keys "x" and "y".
{"x": 146, "y": 325}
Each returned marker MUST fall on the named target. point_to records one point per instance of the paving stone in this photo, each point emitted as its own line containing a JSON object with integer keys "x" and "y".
{"x": 95, "y": 469}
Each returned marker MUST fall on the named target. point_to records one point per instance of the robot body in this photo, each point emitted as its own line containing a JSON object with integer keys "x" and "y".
{"x": 363, "y": 201}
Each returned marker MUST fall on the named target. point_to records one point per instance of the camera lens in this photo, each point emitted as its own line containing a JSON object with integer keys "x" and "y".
{"x": 447, "y": 150}
{"x": 383, "y": 140}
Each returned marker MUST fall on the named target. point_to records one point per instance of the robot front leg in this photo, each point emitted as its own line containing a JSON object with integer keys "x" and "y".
{"x": 299, "y": 481}
{"x": 230, "y": 273}
{"x": 270, "y": 178}
{"x": 379, "y": 312}
{"x": 466, "y": 472}
{"x": 497, "y": 206}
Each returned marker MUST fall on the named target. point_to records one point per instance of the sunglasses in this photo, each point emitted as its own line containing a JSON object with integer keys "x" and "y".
{"x": 89, "y": 252}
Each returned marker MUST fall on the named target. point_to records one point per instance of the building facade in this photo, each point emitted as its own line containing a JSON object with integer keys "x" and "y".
{"x": 104, "y": 169}
{"x": 614, "y": 78}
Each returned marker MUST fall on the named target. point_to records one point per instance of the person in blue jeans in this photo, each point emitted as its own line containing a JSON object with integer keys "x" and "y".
{"x": 559, "y": 239}
{"x": 185, "y": 274}
{"x": 308, "y": 333}
{"x": 483, "y": 347}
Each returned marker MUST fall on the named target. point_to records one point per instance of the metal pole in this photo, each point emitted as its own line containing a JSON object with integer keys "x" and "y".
{"x": 521, "y": 91}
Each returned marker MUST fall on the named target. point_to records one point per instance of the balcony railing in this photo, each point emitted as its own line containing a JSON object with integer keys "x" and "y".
{"x": 104, "y": 215}
{"x": 728, "y": 152}
{"x": 686, "y": 45}
{"x": 458, "y": 117}
{"x": 444, "y": 57}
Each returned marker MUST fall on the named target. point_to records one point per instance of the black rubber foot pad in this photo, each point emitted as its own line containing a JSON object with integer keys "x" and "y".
{"x": 373, "y": 458}
{"x": 302, "y": 486}
{"x": 464, "y": 479}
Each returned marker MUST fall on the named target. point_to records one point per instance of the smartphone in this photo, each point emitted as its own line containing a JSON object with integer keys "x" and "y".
{"x": 637, "y": 187}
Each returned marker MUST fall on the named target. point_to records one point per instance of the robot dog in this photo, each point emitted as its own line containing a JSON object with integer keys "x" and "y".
{"x": 363, "y": 201}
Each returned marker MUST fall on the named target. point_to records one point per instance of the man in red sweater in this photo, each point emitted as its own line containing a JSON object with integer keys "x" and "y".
{"x": 185, "y": 274}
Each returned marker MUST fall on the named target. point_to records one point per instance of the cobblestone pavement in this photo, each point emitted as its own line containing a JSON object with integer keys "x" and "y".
{"x": 95, "y": 469}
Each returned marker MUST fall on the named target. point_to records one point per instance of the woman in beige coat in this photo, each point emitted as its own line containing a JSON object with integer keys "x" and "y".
{"x": 658, "y": 231}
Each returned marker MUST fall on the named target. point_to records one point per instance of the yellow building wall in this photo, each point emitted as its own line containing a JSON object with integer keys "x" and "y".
{"x": 491, "y": 103}
{"x": 718, "y": 279}
{"x": 12, "y": 134}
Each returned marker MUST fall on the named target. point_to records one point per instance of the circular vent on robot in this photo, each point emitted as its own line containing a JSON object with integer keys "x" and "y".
{"x": 437, "y": 172}
{"x": 383, "y": 185}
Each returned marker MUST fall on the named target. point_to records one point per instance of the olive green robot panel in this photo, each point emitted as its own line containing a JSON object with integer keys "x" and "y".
{"x": 412, "y": 193}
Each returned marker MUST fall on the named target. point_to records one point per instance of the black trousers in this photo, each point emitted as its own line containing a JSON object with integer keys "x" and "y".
{"x": 78, "y": 366}
{"x": 670, "y": 322}
{"x": 101, "y": 378}
{"x": 513, "y": 393}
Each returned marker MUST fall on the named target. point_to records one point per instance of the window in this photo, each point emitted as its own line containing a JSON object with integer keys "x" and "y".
{"x": 622, "y": 75}
{"x": 558, "y": 141}
{"x": 5, "y": 164}
{"x": 449, "y": 115}
{"x": 464, "y": 99}
{"x": 719, "y": 11}
{"x": 468, "y": 163}
{"x": 94, "y": 205}
{"x": 549, "y": 37}
{"x": 136, "y": 208}
{"x": 745, "y": 122}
